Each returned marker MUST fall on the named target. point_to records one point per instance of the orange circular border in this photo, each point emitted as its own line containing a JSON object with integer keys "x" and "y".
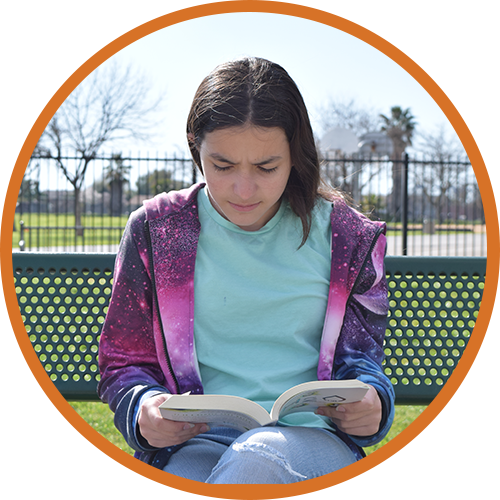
{"x": 180, "y": 15}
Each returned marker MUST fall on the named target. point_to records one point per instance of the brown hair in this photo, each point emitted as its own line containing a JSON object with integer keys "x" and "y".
{"x": 260, "y": 92}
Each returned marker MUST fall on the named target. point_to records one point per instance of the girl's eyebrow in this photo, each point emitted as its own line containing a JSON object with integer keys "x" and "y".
{"x": 219, "y": 157}
{"x": 271, "y": 159}
{"x": 266, "y": 161}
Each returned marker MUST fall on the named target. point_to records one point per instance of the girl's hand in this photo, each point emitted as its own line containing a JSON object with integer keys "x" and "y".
{"x": 160, "y": 432}
{"x": 358, "y": 419}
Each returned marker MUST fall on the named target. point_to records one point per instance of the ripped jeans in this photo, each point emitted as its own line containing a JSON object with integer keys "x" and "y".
{"x": 266, "y": 455}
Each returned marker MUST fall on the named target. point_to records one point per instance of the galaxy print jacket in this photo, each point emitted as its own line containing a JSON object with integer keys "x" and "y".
{"x": 147, "y": 339}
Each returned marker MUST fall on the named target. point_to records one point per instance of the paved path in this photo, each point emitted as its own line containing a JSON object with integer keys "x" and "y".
{"x": 459, "y": 244}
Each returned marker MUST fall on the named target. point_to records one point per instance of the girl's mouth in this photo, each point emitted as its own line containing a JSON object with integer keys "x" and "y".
{"x": 243, "y": 208}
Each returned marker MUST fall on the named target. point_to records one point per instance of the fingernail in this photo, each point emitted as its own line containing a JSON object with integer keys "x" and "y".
{"x": 187, "y": 427}
{"x": 320, "y": 411}
{"x": 204, "y": 428}
{"x": 341, "y": 409}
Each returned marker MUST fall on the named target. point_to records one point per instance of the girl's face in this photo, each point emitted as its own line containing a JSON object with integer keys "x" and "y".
{"x": 246, "y": 170}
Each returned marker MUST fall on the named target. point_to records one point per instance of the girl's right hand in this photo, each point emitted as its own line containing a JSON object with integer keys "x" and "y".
{"x": 160, "y": 432}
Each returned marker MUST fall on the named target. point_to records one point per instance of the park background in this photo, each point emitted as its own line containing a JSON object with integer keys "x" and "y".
{"x": 92, "y": 167}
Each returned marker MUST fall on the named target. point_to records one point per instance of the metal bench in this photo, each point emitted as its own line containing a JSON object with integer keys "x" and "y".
{"x": 434, "y": 302}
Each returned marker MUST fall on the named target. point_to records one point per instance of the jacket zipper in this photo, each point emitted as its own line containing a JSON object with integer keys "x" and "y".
{"x": 157, "y": 307}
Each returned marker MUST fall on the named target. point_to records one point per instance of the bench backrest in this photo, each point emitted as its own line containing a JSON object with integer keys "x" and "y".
{"x": 434, "y": 302}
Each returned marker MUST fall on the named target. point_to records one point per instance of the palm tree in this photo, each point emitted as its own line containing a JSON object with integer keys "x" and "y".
{"x": 399, "y": 126}
{"x": 116, "y": 174}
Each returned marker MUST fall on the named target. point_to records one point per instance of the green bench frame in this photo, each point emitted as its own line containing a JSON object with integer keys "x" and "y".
{"x": 434, "y": 302}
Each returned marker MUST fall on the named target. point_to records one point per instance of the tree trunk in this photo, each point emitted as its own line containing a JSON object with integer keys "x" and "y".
{"x": 78, "y": 212}
{"x": 397, "y": 168}
{"x": 116, "y": 201}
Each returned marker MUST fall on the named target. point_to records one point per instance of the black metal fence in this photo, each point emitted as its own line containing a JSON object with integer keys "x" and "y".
{"x": 431, "y": 207}
{"x": 74, "y": 204}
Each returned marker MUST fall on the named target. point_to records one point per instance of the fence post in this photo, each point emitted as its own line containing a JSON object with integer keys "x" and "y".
{"x": 195, "y": 173}
{"x": 404, "y": 214}
{"x": 21, "y": 236}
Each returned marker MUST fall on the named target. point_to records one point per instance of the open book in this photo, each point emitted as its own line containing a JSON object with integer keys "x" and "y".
{"x": 242, "y": 414}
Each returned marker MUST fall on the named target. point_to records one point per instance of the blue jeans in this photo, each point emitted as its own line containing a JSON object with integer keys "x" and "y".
{"x": 266, "y": 455}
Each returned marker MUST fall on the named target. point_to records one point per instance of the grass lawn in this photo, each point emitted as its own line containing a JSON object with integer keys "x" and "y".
{"x": 97, "y": 232}
{"x": 45, "y": 449}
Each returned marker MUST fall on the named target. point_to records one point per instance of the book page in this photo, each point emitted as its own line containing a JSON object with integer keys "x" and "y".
{"x": 305, "y": 401}
{"x": 310, "y": 396}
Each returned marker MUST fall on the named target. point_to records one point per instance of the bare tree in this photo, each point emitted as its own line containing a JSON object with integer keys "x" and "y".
{"x": 112, "y": 104}
{"x": 443, "y": 170}
{"x": 348, "y": 114}
{"x": 439, "y": 145}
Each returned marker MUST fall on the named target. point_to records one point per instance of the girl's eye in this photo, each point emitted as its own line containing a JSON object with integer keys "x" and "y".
{"x": 220, "y": 169}
{"x": 268, "y": 170}
{"x": 262, "y": 169}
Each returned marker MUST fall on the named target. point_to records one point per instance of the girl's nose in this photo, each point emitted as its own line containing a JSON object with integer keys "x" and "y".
{"x": 245, "y": 186}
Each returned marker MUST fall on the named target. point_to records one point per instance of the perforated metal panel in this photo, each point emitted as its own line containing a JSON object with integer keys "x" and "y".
{"x": 63, "y": 300}
{"x": 434, "y": 302}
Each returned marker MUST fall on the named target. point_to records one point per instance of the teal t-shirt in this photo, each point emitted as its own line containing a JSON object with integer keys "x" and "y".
{"x": 260, "y": 304}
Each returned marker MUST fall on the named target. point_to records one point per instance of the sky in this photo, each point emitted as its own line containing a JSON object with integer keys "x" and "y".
{"x": 325, "y": 62}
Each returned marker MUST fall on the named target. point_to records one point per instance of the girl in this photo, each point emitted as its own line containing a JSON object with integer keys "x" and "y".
{"x": 258, "y": 280}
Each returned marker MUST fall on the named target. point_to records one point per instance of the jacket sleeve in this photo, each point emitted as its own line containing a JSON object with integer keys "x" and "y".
{"x": 360, "y": 351}
{"x": 128, "y": 361}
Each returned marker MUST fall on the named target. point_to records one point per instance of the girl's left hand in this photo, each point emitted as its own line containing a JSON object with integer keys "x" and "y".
{"x": 357, "y": 419}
